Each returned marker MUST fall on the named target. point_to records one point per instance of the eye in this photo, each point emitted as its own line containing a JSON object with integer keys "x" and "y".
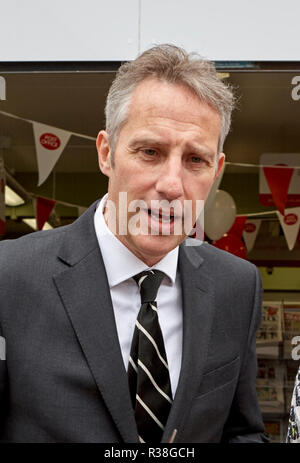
{"x": 149, "y": 151}
{"x": 196, "y": 159}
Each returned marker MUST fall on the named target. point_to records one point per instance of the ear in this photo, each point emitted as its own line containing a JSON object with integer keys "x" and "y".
{"x": 104, "y": 153}
{"x": 220, "y": 165}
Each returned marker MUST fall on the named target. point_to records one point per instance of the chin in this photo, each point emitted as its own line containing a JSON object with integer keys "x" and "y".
{"x": 156, "y": 246}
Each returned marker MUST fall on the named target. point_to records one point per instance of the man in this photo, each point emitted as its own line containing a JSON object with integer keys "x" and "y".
{"x": 93, "y": 352}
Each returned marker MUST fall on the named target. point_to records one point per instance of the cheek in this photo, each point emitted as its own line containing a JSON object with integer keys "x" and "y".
{"x": 198, "y": 188}
{"x": 140, "y": 181}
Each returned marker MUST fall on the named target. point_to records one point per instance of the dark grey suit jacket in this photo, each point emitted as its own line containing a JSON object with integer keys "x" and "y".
{"x": 64, "y": 379}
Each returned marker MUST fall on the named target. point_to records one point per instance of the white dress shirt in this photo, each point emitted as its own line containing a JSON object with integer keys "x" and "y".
{"x": 121, "y": 265}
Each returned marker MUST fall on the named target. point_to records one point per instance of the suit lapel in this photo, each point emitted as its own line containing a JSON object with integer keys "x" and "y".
{"x": 198, "y": 310}
{"x": 84, "y": 290}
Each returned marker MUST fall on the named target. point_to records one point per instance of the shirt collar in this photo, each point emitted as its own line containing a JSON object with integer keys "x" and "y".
{"x": 120, "y": 263}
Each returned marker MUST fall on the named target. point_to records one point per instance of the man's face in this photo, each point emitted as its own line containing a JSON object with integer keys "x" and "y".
{"x": 167, "y": 150}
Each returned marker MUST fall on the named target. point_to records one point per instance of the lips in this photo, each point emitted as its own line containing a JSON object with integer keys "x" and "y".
{"x": 162, "y": 216}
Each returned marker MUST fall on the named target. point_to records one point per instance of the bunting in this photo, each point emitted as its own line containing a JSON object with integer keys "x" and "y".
{"x": 44, "y": 208}
{"x": 49, "y": 143}
{"x": 290, "y": 225}
{"x": 279, "y": 185}
{"x": 279, "y": 182}
{"x": 250, "y": 232}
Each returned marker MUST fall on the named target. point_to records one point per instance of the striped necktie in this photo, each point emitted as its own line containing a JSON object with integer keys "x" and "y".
{"x": 148, "y": 372}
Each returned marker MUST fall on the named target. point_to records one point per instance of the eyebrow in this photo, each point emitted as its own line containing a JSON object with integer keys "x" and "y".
{"x": 146, "y": 141}
{"x": 190, "y": 147}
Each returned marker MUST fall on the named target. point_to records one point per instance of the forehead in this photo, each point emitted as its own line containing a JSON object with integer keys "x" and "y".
{"x": 163, "y": 105}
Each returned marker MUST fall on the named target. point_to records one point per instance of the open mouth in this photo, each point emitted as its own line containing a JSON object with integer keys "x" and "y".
{"x": 160, "y": 216}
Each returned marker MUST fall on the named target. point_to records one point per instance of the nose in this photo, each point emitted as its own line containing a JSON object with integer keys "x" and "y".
{"x": 170, "y": 182}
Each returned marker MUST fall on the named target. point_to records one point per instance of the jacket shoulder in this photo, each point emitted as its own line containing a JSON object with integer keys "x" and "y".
{"x": 19, "y": 255}
{"x": 222, "y": 262}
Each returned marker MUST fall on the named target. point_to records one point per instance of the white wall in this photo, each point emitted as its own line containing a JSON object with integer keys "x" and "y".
{"x": 115, "y": 30}
{"x": 253, "y": 30}
{"x": 68, "y": 30}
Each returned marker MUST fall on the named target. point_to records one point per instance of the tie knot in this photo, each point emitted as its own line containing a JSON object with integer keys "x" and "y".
{"x": 148, "y": 283}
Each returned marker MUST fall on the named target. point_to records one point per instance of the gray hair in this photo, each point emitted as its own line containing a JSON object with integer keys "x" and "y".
{"x": 170, "y": 64}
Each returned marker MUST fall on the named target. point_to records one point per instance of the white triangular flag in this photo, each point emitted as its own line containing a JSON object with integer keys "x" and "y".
{"x": 250, "y": 232}
{"x": 290, "y": 225}
{"x": 49, "y": 143}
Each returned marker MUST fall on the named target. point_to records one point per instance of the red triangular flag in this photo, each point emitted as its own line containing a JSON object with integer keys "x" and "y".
{"x": 279, "y": 182}
{"x": 238, "y": 226}
{"x": 44, "y": 208}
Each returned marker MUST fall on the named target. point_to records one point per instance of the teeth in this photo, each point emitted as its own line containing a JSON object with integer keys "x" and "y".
{"x": 163, "y": 218}
{"x": 166, "y": 219}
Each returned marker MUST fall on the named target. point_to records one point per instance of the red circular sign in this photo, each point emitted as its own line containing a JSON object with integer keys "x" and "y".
{"x": 250, "y": 227}
{"x": 50, "y": 141}
{"x": 290, "y": 219}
